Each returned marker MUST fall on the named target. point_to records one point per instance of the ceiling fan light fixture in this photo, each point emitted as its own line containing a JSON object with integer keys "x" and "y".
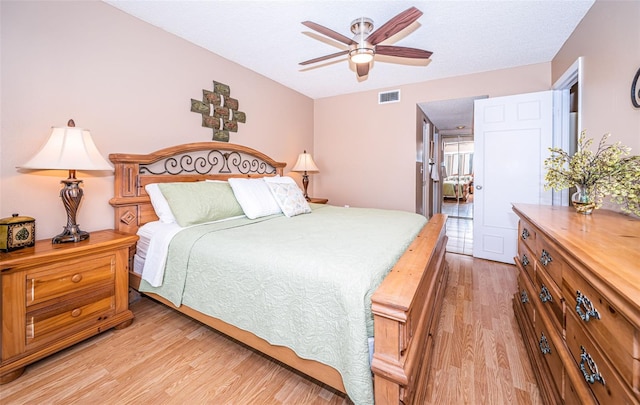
{"x": 361, "y": 55}
{"x": 366, "y": 42}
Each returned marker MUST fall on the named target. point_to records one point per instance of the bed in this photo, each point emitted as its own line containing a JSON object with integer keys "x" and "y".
{"x": 405, "y": 295}
{"x": 457, "y": 187}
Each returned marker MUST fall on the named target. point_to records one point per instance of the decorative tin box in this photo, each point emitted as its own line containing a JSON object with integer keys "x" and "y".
{"x": 17, "y": 232}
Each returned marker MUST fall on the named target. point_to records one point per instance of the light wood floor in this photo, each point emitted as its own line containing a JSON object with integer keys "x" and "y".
{"x": 166, "y": 358}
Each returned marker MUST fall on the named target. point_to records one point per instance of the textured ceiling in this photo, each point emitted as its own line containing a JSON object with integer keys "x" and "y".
{"x": 449, "y": 115}
{"x": 465, "y": 36}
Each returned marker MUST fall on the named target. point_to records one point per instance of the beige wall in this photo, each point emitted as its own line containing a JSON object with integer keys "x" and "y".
{"x": 608, "y": 39}
{"x": 130, "y": 84}
{"x": 366, "y": 152}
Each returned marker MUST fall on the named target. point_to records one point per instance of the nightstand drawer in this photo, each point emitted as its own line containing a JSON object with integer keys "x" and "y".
{"x": 74, "y": 276}
{"x": 62, "y": 319}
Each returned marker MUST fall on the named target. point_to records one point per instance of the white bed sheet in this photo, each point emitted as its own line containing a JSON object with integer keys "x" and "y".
{"x": 151, "y": 250}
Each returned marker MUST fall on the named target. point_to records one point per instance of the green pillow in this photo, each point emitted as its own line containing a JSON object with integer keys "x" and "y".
{"x": 201, "y": 201}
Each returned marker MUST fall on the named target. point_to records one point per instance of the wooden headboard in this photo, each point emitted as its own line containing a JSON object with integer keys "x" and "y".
{"x": 188, "y": 162}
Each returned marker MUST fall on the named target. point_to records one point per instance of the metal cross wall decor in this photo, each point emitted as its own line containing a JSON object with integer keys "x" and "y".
{"x": 219, "y": 111}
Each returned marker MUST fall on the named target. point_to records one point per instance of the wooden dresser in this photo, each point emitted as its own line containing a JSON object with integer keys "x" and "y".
{"x": 56, "y": 295}
{"x": 578, "y": 304}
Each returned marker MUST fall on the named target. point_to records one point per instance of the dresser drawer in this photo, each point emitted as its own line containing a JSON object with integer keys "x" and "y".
{"x": 56, "y": 280}
{"x": 526, "y": 295}
{"x": 549, "y": 298}
{"x": 594, "y": 313}
{"x": 527, "y": 234}
{"x": 549, "y": 353}
{"x": 526, "y": 260}
{"x": 606, "y": 384}
{"x": 63, "y": 319}
{"x": 550, "y": 260}
{"x": 571, "y": 396}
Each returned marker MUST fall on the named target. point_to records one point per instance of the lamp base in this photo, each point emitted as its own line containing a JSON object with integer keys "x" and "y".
{"x": 70, "y": 235}
{"x": 305, "y": 184}
{"x": 71, "y": 195}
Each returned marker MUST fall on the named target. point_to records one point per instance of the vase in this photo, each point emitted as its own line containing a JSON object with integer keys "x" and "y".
{"x": 582, "y": 200}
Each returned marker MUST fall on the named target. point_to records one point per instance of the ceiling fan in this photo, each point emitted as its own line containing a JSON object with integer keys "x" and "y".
{"x": 365, "y": 43}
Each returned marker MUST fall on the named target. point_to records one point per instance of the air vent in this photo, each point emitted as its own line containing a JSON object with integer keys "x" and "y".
{"x": 386, "y": 97}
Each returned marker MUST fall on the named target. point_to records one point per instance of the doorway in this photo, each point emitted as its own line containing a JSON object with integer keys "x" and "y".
{"x": 457, "y": 192}
{"x": 457, "y": 185}
{"x": 450, "y": 146}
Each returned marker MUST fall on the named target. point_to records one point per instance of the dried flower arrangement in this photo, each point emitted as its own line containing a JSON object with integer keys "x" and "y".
{"x": 609, "y": 171}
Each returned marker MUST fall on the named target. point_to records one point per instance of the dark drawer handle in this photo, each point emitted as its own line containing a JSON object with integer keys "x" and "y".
{"x": 524, "y": 234}
{"x": 76, "y": 312}
{"x": 525, "y": 260}
{"x": 545, "y": 295}
{"x": 589, "y": 368}
{"x": 585, "y": 308}
{"x": 524, "y": 298}
{"x": 544, "y": 344}
{"x": 76, "y": 278}
{"x": 545, "y": 258}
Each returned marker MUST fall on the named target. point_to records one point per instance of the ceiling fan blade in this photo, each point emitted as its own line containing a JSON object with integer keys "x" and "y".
{"x": 328, "y": 32}
{"x": 394, "y": 25}
{"x": 362, "y": 69}
{"x": 325, "y": 57}
{"x": 403, "y": 52}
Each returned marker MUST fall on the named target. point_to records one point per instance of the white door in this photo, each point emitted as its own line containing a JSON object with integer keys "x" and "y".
{"x": 512, "y": 137}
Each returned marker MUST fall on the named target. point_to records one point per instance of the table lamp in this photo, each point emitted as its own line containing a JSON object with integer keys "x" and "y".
{"x": 69, "y": 148}
{"x": 305, "y": 164}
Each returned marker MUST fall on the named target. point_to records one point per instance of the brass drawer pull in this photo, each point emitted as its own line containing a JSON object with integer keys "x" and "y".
{"x": 544, "y": 344}
{"x": 545, "y": 258}
{"x": 525, "y": 260}
{"x": 76, "y": 312}
{"x": 589, "y": 368}
{"x": 524, "y": 298}
{"x": 545, "y": 295}
{"x": 76, "y": 278}
{"x": 589, "y": 310}
{"x": 525, "y": 234}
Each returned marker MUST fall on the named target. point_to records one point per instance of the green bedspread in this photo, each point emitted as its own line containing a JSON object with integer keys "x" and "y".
{"x": 303, "y": 282}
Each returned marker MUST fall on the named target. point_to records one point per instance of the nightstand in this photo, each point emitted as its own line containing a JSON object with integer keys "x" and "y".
{"x": 56, "y": 295}
{"x": 318, "y": 200}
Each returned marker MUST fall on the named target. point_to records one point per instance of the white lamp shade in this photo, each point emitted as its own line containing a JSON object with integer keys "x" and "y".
{"x": 69, "y": 148}
{"x": 305, "y": 163}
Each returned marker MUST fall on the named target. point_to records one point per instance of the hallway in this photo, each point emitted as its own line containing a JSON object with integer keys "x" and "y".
{"x": 459, "y": 227}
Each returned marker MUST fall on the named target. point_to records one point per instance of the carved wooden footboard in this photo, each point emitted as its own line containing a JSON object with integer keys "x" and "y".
{"x": 406, "y": 306}
{"x": 406, "y": 310}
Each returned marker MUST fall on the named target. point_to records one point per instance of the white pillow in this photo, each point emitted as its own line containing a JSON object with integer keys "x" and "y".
{"x": 280, "y": 179}
{"x": 289, "y": 197}
{"x": 254, "y": 197}
{"x": 160, "y": 204}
